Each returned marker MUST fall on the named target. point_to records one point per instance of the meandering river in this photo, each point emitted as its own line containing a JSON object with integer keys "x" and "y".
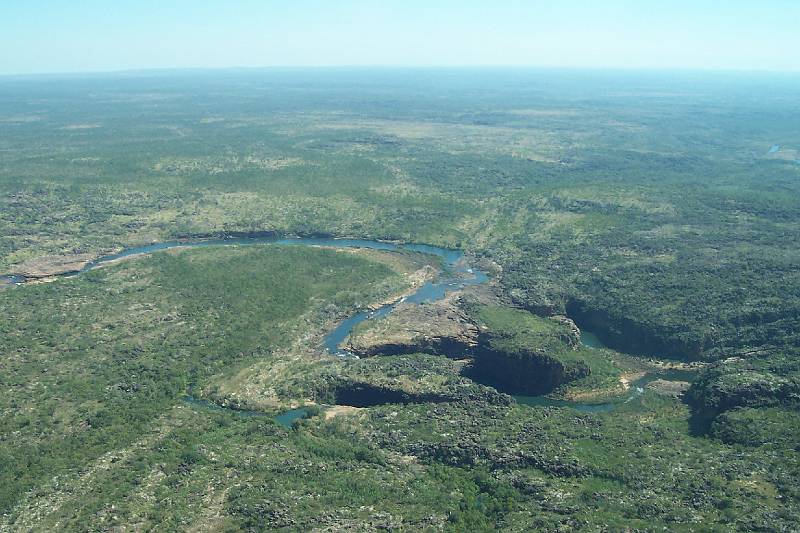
{"x": 457, "y": 274}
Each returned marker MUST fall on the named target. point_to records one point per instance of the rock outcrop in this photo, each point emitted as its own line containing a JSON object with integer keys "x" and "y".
{"x": 573, "y": 336}
{"x": 523, "y": 371}
{"x": 404, "y": 379}
{"x": 363, "y": 394}
{"x": 632, "y": 336}
{"x": 53, "y": 265}
{"x": 439, "y": 328}
{"x": 533, "y": 367}
{"x": 721, "y": 389}
{"x": 736, "y": 384}
{"x": 663, "y": 387}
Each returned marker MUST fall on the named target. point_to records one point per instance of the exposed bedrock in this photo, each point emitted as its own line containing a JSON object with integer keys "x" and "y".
{"x": 745, "y": 401}
{"x": 524, "y": 371}
{"x": 444, "y": 328}
{"x": 440, "y": 328}
{"x": 630, "y": 336}
{"x": 53, "y": 265}
{"x": 417, "y": 378}
{"x": 735, "y": 384}
{"x": 471, "y": 453}
{"x": 358, "y": 393}
{"x": 366, "y": 395}
{"x": 675, "y": 389}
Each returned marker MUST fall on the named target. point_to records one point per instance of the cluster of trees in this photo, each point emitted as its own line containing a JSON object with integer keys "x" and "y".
{"x": 91, "y": 362}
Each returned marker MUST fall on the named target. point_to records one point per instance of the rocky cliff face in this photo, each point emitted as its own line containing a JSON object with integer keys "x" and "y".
{"x": 730, "y": 384}
{"x": 362, "y": 394}
{"x": 404, "y": 379}
{"x": 629, "y": 336}
{"x": 444, "y": 328}
{"x": 440, "y": 328}
{"x": 572, "y": 336}
{"x": 736, "y": 385}
{"x": 524, "y": 371}
{"x": 675, "y": 389}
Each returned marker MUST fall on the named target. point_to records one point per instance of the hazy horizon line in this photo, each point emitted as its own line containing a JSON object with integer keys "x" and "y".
{"x": 611, "y": 69}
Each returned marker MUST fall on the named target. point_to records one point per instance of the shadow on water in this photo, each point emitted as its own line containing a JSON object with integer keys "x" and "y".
{"x": 590, "y": 340}
{"x": 637, "y": 387}
{"x": 457, "y": 274}
{"x": 8, "y": 281}
{"x": 288, "y": 418}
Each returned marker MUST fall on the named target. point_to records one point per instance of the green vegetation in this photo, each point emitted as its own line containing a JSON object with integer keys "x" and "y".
{"x": 756, "y": 427}
{"x": 514, "y": 330}
{"x": 643, "y": 207}
{"x": 651, "y": 207}
{"x": 92, "y": 364}
{"x": 637, "y": 467}
{"x": 101, "y": 439}
{"x": 733, "y": 391}
{"x": 526, "y": 354}
{"x": 414, "y": 378}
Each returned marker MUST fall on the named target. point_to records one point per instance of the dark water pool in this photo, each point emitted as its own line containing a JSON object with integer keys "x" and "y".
{"x": 287, "y": 419}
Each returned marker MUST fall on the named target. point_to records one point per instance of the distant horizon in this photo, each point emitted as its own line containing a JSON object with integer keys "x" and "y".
{"x": 277, "y": 68}
{"x": 94, "y": 36}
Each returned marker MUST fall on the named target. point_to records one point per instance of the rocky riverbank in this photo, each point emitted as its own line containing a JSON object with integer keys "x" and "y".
{"x": 511, "y": 350}
{"x": 439, "y": 328}
{"x": 54, "y": 265}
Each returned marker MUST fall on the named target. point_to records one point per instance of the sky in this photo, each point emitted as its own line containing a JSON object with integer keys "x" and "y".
{"x": 52, "y": 36}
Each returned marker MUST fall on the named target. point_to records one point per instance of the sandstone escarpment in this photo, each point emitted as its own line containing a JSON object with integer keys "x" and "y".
{"x": 440, "y": 328}
{"x": 530, "y": 361}
{"x": 524, "y": 371}
{"x": 404, "y": 379}
{"x": 632, "y": 336}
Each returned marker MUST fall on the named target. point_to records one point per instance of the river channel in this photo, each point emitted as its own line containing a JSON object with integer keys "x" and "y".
{"x": 455, "y": 275}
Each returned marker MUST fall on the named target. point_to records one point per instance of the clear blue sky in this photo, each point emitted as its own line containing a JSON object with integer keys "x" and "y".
{"x": 99, "y": 35}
